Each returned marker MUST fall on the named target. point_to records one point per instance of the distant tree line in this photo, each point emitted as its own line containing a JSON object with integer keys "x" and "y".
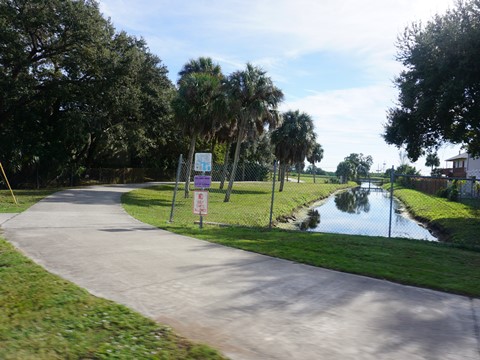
{"x": 354, "y": 166}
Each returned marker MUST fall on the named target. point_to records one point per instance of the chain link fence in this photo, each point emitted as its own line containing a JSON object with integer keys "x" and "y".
{"x": 371, "y": 207}
{"x": 250, "y": 196}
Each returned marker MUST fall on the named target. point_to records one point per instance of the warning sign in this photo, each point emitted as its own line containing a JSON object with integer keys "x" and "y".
{"x": 200, "y": 202}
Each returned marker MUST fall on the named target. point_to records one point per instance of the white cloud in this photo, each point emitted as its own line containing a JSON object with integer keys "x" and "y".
{"x": 351, "y": 121}
{"x": 300, "y": 25}
{"x": 348, "y": 121}
{"x": 257, "y": 31}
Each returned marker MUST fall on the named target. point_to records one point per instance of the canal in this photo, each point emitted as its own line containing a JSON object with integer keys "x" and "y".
{"x": 365, "y": 211}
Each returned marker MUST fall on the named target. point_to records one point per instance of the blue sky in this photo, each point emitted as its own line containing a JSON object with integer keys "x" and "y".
{"x": 333, "y": 59}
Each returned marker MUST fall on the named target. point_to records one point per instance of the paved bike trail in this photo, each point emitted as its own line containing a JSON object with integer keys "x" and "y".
{"x": 249, "y": 306}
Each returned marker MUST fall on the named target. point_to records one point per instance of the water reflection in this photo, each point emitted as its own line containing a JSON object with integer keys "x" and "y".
{"x": 353, "y": 201}
{"x": 365, "y": 211}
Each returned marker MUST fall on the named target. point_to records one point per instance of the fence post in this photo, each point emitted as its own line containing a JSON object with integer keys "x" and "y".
{"x": 273, "y": 193}
{"x": 392, "y": 178}
{"x": 8, "y": 184}
{"x": 179, "y": 169}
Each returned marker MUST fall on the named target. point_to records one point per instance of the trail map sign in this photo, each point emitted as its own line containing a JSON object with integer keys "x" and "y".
{"x": 200, "y": 202}
{"x": 203, "y": 162}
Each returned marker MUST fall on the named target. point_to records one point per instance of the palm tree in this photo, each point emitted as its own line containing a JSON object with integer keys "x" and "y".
{"x": 254, "y": 100}
{"x": 201, "y": 65}
{"x": 225, "y": 134}
{"x": 281, "y": 141}
{"x": 315, "y": 156}
{"x": 294, "y": 140}
{"x": 196, "y": 104}
{"x": 432, "y": 160}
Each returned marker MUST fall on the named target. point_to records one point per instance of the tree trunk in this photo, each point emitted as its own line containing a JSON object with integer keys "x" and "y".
{"x": 241, "y": 132}
{"x": 298, "y": 171}
{"x": 225, "y": 166}
{"x": 214, "y": 143}
{"x": 189, "y": 165}
{"x": 282, "y": 176}
{"x": 313, "y": 168}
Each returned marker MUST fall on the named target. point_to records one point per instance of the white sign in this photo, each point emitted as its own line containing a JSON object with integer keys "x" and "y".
{"x": 200, "y": 202}
{"x": 203, "y": 162}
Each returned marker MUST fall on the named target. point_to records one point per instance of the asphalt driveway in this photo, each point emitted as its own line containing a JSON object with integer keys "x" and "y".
{"x": 248, "y": 306}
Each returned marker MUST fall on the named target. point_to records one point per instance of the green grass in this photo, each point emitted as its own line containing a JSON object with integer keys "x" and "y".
{"x": 421, "y": 263}
{"x": 308, "y": 178}
{"x": 45, "y": 317}
{"x": 25, "y": 199}
{"x": 433, "y": 265}
{"x": 460, "y": 221}
{"x": 249, "y": 205}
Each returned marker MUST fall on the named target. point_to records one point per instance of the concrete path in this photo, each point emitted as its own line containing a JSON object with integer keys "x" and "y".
{"x": 249, "y": 306}
{"x": 4, "y": 217}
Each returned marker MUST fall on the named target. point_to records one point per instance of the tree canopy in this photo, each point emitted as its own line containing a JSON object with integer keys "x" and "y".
{"x": 254, "y": 99}
{"x": 432, "y": 160}
{"x": 75, "y": 93}
{"x": 195, "y": 106}
{"x": 316, "y": 155}
{"x": 293, "y": 141}
{"x": 354, "y": 166}
{"x": 439, "y": 98}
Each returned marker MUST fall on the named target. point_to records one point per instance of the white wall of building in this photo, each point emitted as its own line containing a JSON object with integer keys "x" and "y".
{"x": 473, "y": 167}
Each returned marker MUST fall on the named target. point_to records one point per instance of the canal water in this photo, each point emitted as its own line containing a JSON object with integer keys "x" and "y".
{"x": 365, "y": 211}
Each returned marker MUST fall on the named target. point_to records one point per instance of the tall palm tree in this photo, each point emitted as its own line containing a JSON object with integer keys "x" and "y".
{"x": 293, "y": 141}
{"x": 254, "y": 100}
{"x": 196, "y": 104}
{"x": 201, "y": 65}
{"x": 315, "y": 156}
{"x": 281, "y": 141}
{"x": 432, "y": 160}
{"x": 225, "y": 134}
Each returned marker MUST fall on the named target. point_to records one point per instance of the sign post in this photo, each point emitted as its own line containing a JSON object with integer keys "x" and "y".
{"x": 203, "y": 164}
{"x": 200, "y": 204}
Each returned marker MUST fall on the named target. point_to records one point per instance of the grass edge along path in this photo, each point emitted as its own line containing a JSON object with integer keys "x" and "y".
{"x": 432, "y": 265}
{"x": 25, "y": 199}
{"x": 46, "y": 317}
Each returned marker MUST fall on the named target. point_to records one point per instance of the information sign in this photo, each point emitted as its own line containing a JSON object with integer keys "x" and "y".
{"x": 200, "y": 202}
{"x": 202, "y": 181}
{"x": 203, "y": 162}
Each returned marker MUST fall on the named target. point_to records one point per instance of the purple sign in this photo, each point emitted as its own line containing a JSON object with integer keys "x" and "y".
{"x": 202, "y": 181}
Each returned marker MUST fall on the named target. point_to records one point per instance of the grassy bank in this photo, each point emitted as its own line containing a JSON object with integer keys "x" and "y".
{"x": 249, "y": 205}
{"x": 434, "y": 265}
{"x": 25, "y": 199}
{"x": 460, "y": 221}
{"x": 46, "y": 317}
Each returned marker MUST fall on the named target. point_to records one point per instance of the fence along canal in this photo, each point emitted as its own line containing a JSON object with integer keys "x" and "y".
{"x": 367, "y": 210}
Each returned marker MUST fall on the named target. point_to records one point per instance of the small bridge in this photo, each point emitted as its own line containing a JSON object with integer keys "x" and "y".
{"x": 375, "y": 181}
